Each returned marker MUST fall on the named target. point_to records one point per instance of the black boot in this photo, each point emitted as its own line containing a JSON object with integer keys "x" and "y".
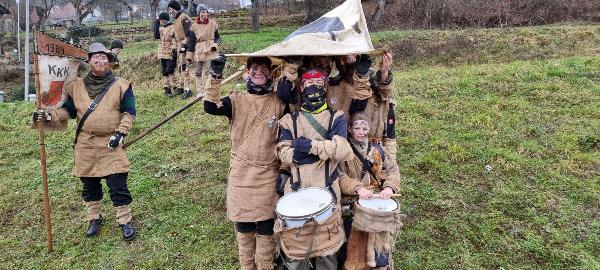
{"x": 177, "y": 91}
{"x": 187, "y": 94}
{"x": 168, "y": 92}
{"x": 94, "y": 228}
{"x": 128, "y": 231}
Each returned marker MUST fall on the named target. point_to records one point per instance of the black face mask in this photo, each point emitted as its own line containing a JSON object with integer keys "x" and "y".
{"x": 258, "y": 89}
{"x": 313, "y": 98}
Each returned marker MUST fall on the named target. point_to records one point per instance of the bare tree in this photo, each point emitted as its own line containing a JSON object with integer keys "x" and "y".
{"x": 153, "y": 8}
{"x": 255, "y": 15}
{"x": 308, "y": 11}
{"x": 378, "y": 13}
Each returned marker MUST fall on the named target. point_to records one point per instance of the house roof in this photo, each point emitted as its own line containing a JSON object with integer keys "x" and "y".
{"x": 3, "y": 10}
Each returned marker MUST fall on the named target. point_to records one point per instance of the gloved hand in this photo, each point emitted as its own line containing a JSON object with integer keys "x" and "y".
{"x": 217, "y": 65}
{"x": 363, "y": 64}
{"x": 283, "y": 178}
{"x": 115, "y": 140}
{"x": 301, "y": 158}
{"x": 302, "y": 144}
{"x": 183, "y": 48}
{"x": 41, "y": 115}
{"x": 174, "y": 55}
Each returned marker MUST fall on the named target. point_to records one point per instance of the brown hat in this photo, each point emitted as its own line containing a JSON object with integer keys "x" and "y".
{"x": 359, "y": 116}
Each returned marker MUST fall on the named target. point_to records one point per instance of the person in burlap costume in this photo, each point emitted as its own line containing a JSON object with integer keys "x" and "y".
{"x": 312, "y": 141}
{"x": 379, "y": 106}
{"x": 206, "y": 32}
{"x": 184, "y": 38}
{"x": 351, "y": 83}
{"x": 253, "y": 168}
{"x": 374, "y": 173}
{"x": 167, "y": 51}
{"x": 98, "y": 152}
{"x": 116, "y": 46}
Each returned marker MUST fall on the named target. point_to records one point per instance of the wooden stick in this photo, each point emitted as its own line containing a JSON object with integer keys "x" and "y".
{"x": 40, "y": 127}
{"x": 393, "y": 195}
{"x": 185, "y": 107}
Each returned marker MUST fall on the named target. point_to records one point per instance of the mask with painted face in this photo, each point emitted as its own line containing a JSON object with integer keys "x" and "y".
{"x": 313, "y": 99}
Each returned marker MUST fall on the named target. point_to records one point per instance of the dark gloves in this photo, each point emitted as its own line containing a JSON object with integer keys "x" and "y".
{"x": 174, "y": 55}
{"x": 283, "y": 177}
{"x": 183, "y": 48}
{"x": 363, "y": 64}
{"x": 301, "y": 158}
{"x": 41, "y": 115}
{"x": 217, "y": 65}
{"x": 302, "y": 144}
{"x": 115, "y": 140}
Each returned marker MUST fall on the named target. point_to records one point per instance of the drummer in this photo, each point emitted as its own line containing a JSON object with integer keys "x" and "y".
{"x": 375, "y": 174}
{"x": 312, "y": 141}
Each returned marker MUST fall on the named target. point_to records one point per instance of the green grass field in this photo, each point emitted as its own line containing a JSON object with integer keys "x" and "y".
{"x": 535, "y": 120}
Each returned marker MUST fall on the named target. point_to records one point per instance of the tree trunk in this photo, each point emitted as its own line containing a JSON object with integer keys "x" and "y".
{"x": 378, "y": 13}
{"x": 77, "y": 16}
{"x": 308, "y": 11}
{"x": 255, "y": 16}
{"x": 153, "y": 9}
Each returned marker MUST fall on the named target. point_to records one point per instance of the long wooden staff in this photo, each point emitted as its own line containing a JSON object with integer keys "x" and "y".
{"x": 40, "y": 127}
{"x": 185, "y": 107}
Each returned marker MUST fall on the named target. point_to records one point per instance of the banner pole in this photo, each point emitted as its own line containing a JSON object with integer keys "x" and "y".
{"x": 41, "y": 140}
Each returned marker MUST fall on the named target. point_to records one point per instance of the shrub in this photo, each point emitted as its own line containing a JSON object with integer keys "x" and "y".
{"x": 83, "y": 32}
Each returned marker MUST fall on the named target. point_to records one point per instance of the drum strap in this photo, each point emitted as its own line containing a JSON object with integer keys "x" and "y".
{"x": 329, "y": 178}
{"x": 366, "y": 165}
{"x": 310, "y": 244}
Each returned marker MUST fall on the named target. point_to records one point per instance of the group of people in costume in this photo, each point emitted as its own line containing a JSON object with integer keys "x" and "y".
{"x": 322, "y": 122}
{"x": 298, "y": 127}
{"x": 184, "y": 43}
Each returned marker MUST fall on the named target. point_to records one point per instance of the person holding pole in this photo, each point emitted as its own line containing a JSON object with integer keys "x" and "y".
{"x": 254, "y": 168}
{"x": 104, "y": 106}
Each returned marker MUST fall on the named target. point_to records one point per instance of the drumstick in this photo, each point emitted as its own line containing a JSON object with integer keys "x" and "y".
{"x": 393, "y": 195}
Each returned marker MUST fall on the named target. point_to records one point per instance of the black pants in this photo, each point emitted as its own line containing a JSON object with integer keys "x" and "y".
{"x": 117, "y": 184}
{"x": 261, "y": 227}
{"x": 167, "y": 66}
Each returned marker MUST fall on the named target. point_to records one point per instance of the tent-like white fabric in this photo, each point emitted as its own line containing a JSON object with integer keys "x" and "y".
{"x": 341, "y": 31}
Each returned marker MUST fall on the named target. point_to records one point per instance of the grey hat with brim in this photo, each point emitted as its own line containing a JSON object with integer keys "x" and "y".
{"x": 96, "y": 48}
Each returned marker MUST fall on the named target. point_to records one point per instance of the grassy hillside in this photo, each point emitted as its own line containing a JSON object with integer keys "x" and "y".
{"x": 534, "y": 122}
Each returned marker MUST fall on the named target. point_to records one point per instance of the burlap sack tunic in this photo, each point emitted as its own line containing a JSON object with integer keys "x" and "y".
{"x": 339, "y": 97}
{"x": 205, "y": 39}
{"x": 378, "y": 106}
{"x": 253, "y": 166}
{"x": 92, "y": 156}
{"x": 388, "y": 177}
{"x": 167, "y": 42}
{"x": 329, "y": 236}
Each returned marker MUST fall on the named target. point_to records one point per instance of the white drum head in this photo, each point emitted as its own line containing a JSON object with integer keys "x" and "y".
{"x": 304, "y": 202}
{"x": 385, "y": 205}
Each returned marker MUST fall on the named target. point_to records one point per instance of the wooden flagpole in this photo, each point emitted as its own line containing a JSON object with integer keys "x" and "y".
{"x": 40, "y": 127}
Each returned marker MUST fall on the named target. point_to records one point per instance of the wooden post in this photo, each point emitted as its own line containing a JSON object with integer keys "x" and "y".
{"x": 40, "y": 127}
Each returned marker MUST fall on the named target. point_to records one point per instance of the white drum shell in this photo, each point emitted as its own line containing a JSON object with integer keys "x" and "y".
{"x": 384, "y": 205}
{"x": 320, "y": 207}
